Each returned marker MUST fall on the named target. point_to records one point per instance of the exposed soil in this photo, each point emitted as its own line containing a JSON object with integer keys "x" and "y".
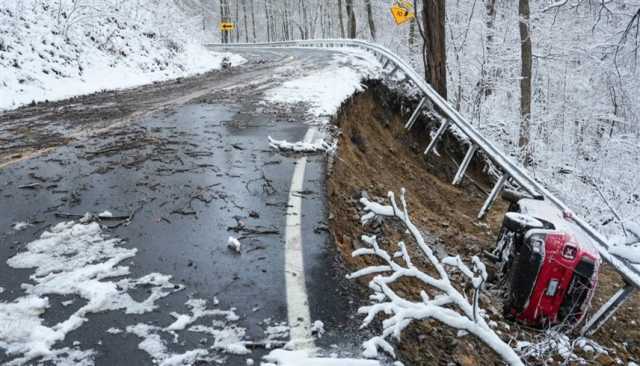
{"x": 376, "y": 155}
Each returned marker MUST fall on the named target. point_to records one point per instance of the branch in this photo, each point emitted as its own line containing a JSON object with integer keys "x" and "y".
{"x": 448, "y": 306}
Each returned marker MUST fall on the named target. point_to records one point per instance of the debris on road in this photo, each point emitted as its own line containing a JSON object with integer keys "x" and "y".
{"x": 301, "y": 147}
{"x": 234, "y": 244}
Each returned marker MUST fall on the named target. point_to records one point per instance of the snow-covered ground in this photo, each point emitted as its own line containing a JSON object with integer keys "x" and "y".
{"x": 326, "y": 89}
{"x": 55, "y": 50}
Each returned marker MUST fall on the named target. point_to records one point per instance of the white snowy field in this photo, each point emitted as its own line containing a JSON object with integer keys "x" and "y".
{"x": 52, "y": 51}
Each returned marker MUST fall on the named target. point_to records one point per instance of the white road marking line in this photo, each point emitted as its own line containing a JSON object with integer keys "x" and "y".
{"x": 297, "y": 299}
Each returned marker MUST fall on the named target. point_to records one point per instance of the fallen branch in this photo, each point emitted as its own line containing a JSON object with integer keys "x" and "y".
{"x": 301, "y": 147}
{"x": 446, "y": 304}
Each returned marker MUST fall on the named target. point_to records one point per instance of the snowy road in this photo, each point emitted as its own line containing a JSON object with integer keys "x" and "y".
{"x": 188, "y": 161}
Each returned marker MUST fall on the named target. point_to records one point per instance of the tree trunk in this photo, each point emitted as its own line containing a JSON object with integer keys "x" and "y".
{"x": 372, "y": 24}
{"x": 340, "y": 16}
{"x": 525, "y": 81}
{"x": 489, "y": 74}
{"x": 245, "y": 21}
{"x": 268, "y": 16}
{"x": 253, "y": 19}
{"x": 351, "y": 19}
{"x": 237, "y": 21}
{"x": 305, "y": 20}
{"x": 435, "y": 50}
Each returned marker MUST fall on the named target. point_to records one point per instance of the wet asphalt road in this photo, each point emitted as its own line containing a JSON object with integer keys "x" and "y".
{"x": 193, "y": 168}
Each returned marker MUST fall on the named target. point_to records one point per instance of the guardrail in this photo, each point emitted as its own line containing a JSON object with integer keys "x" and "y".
{"x": 511, "y": 171}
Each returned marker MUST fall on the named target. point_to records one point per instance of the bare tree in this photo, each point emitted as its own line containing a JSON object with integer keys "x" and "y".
{"x": 253, "y": 19}
{"x": 341, "y": 18}
{"x": 237, "y": 21}
{"x": 351, "y": 19}
{"x": 245, "y": 21}
{"x": 269, "y": 19}
{"x": 372, "y": 24}
{"x": 525, "y": 80}
{"x": 488, "y": 75}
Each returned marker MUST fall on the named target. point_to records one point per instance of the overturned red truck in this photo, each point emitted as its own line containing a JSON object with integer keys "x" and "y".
{"x": 547, "y": 265}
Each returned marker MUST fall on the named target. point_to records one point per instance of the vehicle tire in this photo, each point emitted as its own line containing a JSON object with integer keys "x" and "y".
{"x": 519, "y": 223}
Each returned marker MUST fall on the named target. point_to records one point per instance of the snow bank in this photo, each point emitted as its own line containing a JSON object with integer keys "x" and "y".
{"x": 326, "y": 89}
{"x": 53, "y": 50}
{"x": 298, "y": 358}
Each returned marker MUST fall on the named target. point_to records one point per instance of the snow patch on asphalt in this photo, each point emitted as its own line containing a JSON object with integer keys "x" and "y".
{"x": 226, "y": 338}
{"x": 19, "y": 226}
{"x": 281, "y": 357}
{"x": 199, "y": 310}
{"x": 71, "y": 259}
{"x": 326, "y": 89}
{"x": 154, "y": 345}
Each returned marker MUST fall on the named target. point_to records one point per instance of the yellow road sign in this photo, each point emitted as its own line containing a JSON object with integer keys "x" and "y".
{"x": 227, "y": 26}
{"x": 402, "y": 12}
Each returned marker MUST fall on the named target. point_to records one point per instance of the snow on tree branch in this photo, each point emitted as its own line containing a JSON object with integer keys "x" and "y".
{"x": 446, "y": 304}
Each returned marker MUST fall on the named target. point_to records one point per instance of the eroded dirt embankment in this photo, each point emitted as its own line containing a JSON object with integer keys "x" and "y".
{"x": 376, "y": 155}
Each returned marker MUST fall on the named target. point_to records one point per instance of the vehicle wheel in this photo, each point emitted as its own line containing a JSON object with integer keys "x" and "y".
{"x": 520, "y": 223}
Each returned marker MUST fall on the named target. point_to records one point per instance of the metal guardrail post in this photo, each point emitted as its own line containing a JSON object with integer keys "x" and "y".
{"x": 394, "y": 70}
{"x": 606, "y": 310}
{"x": 416, "y": 113}
{"x": 465, "y": 164}
{"x": 493, "y": 195}
{"x": 441, "y": 130}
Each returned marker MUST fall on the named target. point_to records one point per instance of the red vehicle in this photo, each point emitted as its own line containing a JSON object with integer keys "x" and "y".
{"x": 549, "y": 266}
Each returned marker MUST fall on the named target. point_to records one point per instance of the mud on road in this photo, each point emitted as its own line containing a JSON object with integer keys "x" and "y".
{"x": 376, "y": 155}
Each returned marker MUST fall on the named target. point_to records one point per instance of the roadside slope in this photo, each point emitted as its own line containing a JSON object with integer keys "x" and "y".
{"x": 376, "y": 155}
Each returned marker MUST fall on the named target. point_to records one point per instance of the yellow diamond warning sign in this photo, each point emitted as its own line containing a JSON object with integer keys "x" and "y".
{"x": 227, "y": 26}
{"x": 402, "y": 12}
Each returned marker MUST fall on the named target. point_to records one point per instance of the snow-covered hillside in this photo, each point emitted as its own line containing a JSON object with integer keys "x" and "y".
{"x": 53, "y": 50}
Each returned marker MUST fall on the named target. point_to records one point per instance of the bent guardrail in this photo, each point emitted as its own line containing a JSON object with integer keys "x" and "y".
{"x": 511, "y": 171}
